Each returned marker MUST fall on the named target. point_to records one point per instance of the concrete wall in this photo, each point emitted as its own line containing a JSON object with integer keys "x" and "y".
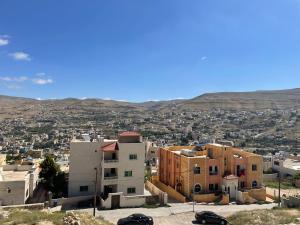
{"x": 154, "y": 190}
{"x": 72, "y": 201}
{"x": 206, "y": 198}
{"x": 132, "y": 201}
{"x": 36, "y": 206}
{"x": 125, "y": 201}
{"x": 17, "y": 196}
{"x": 272, "y": 176}
{"x": 258, "y": 194}
{"x": 84, "y": 157}
{"x": 170, "y": 191}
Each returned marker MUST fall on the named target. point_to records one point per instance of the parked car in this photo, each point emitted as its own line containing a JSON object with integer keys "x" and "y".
{"x": 207, "y": 217}
{"x": 136, "y": 219}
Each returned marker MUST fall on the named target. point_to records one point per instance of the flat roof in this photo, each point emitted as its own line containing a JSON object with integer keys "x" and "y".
{"x": 13, "y": 175}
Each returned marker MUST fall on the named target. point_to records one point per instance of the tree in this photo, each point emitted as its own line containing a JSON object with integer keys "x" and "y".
{"x": 49, "y": 170}
{"x": 51, "y": 175}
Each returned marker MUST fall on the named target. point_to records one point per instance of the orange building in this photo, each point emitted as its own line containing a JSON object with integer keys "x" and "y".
{"x": 212, "y": 170}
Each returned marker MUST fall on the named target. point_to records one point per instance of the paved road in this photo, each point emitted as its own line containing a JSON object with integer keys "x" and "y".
{"x": 178, "y": 213}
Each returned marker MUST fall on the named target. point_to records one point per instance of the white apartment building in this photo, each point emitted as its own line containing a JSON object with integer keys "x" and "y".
{"x": 17, "y": 183}
{"x": 119, "y": 165}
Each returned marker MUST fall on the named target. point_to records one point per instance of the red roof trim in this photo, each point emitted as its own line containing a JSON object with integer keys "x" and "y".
{"x": 129, "y": 134}
{"x": 111, "y": 147}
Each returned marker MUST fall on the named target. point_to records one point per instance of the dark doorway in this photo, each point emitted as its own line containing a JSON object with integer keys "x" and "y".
{"x": 115, "y": 201}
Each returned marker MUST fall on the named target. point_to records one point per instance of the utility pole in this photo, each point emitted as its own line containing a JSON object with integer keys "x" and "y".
{"x": 279, "y": 181}
{"x": 95, "y": 192}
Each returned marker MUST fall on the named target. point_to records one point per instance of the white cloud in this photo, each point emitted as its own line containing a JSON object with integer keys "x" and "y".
{"x": 14, "y": 79}
{"x": 203, "y": 58}
{"x": 20, "y": 56}
{"x": 12, "y": 86}
{"x": 42, "y": 74}
{"x": 41, "y": 81}
{"x": 3, "y": 41}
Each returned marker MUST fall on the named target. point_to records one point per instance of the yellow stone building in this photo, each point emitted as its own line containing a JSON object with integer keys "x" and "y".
{"x": 212, "y": 172}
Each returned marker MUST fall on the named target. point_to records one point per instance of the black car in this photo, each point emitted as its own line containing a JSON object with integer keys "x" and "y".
{"x": 207, "y": 217}
{"x": 136, "y": 219}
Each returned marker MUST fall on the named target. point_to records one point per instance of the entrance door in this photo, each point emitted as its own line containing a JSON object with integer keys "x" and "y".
{"x": 115, "y": 201}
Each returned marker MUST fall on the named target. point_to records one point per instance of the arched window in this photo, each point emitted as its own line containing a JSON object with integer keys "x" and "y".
{"x": 254, "y": 183}
{"x": 197, "y": 188}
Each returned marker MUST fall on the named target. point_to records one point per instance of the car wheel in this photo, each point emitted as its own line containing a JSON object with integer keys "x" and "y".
{"x": 203, "y": 221}
{"x": 223, "y": 222}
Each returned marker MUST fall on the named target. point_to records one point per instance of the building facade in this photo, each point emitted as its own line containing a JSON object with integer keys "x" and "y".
{"x": 211, "y": 168}
{"x": 117, "y": 164}
{"x": 17, "y": 183}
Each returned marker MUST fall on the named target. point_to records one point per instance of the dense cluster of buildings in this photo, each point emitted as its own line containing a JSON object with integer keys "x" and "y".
{"x": 287, "y": 164}
{"x": 114, "y": 170}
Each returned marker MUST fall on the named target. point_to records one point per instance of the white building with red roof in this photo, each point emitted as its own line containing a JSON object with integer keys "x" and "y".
{"x": 119, "y": 165}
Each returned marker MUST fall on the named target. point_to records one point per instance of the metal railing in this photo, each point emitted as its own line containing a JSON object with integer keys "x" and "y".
{"x": 111, "y": 160}
{"x": 111, "y": 177}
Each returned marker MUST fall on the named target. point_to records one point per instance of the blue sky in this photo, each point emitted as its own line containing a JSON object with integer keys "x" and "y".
{"x": 147, "y": 50}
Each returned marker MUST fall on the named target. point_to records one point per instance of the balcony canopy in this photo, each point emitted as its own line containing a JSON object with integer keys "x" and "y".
{"x": 111, "y": 147}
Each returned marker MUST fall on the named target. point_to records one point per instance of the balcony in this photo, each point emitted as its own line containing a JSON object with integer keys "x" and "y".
{"x": 240, "y": 173}
{"x": 213, "y": 173}
{"x": 111, "y": 177}
{"x": 111, "y": 160}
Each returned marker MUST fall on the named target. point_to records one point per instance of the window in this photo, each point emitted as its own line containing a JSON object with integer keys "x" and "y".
{"x": 276, "y": 163}
{"x": 197, "y": 170}
{"x": 254, "y": 167}
{"x": 197, "y": 188}
{"x": 84, "y": 188}
{"x": 133, "y": 157}
{"x": 213, "y": 170}
{"x": 213, "y": 187}
{"x": 131, "y": 190}
{"x": 128, "y": 173}
{"x": 254, "y": 184}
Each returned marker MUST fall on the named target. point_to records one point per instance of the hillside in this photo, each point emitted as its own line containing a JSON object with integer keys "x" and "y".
{"x": 259, "y": 100}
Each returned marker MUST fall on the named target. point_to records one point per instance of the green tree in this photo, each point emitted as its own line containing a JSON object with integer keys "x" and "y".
{"x": 49, "y": 170}
{"x": 52, "y": 177}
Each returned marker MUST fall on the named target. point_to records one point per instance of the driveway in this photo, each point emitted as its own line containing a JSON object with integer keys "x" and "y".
{"x": 178, "y": 213}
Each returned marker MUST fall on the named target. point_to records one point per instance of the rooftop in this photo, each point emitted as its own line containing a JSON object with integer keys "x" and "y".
{"x": 129, "y": 134}
{"x": 111, "y": 147}
{"x": 13, "y": 175}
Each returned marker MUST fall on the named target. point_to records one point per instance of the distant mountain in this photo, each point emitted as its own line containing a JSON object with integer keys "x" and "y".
{"x": 259, "y": 100}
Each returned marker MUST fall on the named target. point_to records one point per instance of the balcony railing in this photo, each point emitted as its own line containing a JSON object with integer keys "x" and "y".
{"x": 213, "y": 173}
{"x": 111, "y": 177}
{"x": 241, "y": 173}
{"x": 111, "y": 160}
